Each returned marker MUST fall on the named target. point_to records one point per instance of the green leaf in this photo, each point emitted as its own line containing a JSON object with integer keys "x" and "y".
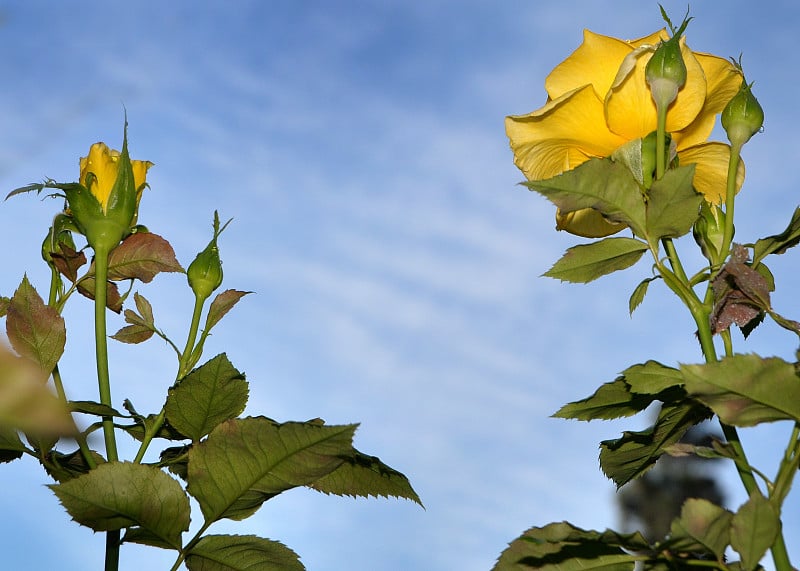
{"x": 4, "y": 303}
{"x": 117, "y": 495}
{"x": 637, "y": 297}
{"x": 11, "y": 447}
{"x": 601, "y": 184}
{"x": 209, "y": 395}
{"x": 35, "y": 330}
{"x": 564, "y": 547}
{"x": 176, "y": 460}
{"x": 673, "y": 205}
{"x": 754, "y": 529}
{"x": 611, "y": 400}
{"x": 587, "y": 262}
{"x": 652, "y": 378}
{"x": 94, "y": 408}
{"x": 142, "y": 256}
{"x": 241, "y": 553}
{"x": 634, "y": 453}
{"x": 745, "y": 390}
{"x": 63, "y": 467}
{"x": 702, "y": 527}
{"x": 778, "y": 243}
{"x": 245, "y": 462}
{"x": 363, "y": 475}
{"x": 221, "y": 305}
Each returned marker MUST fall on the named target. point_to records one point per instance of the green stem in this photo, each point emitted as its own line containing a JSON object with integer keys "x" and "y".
{"x": 192, "y": 337}
{"x": 80, "y": 438}
{"x": 151, "y": 430}
{"x": 730, "y": 199}
{"x": 104, "y": 385}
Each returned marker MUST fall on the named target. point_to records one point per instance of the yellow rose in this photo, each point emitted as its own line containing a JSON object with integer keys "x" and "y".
{"x": 599, "y": 100}
{"x": 101, "y": 166}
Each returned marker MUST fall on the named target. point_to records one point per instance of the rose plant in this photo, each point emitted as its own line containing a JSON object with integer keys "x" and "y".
{"x": 229, "y": 464}
{"x": 622, "y": 145}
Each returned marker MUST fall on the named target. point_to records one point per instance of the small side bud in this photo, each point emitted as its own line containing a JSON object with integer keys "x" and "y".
{"x": 708, "y": 232}
{"x": 205, "y": 272}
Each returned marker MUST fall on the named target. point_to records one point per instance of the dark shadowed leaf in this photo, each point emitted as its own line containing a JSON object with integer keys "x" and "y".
{"x": 35, "y": 330}
{"x": 634, "y": 453}
{"x": 212, "y": 393}
{"x": 611, "y": 400}
{"x": 245, "y": 462}
{"x": 241, "y": 553}
{"x": 587, "y": 262}
{"x": 117, "y": 495}
{"x": 142, "y": 256}
{"x": 363, "y": 475}
{"x": 63, "y": 467}
{"x": 91, "y": 407}
{"x": 11, "y": 447}
{"x": 564, "y": 547}
{"x": 745, "y": 390}
{"x": 779, "y": 243}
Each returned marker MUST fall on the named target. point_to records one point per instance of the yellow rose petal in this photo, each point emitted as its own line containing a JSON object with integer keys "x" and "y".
{"x": 561, "y": 135}
{"x": 630, "y": 110}
{"x": 722, "y": 83}
{"x": 711, "y": 172}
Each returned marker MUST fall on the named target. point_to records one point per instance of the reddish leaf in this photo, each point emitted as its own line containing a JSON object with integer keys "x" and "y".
{"x": 741, "y": 293}
{"x": 35, "y": 330}
{"x": 133, "y": 334}
{"x": 221, "y": 305}
{"x": 68, "y": 262}
{"x": 142, "y": 256}
{"x": 113, "y": 299}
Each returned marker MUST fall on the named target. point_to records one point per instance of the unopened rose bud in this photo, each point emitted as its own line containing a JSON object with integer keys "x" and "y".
{"x": 205, "y": 272}
{"x": 666, "y": 72}
{"x": 743, "y": 116}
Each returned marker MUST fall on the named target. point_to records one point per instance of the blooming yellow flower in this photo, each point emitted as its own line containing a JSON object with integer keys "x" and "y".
{"x": 102, "y": 166}
{"x": 598, "y": 100}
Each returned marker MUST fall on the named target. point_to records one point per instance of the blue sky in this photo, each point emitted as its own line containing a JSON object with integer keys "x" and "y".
{"x": 359, "y": 147}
